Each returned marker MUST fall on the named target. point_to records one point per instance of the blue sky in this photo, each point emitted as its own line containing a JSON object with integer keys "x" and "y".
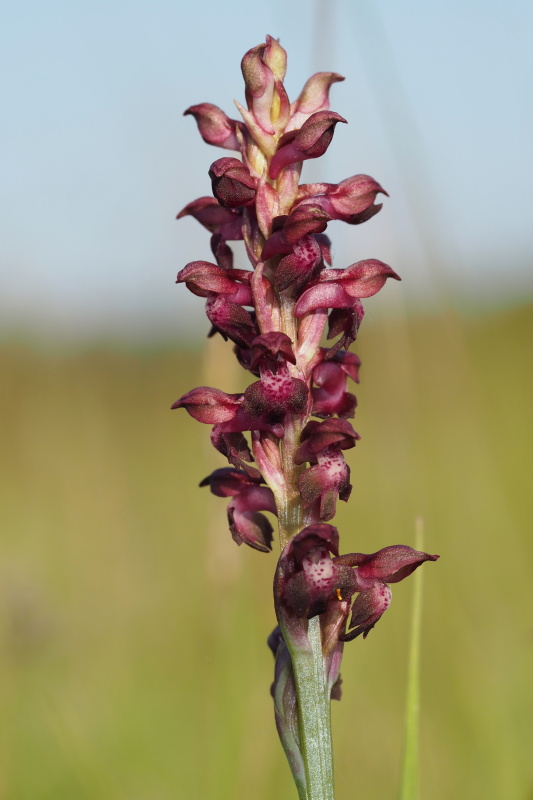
{"x": 97, "y": 158}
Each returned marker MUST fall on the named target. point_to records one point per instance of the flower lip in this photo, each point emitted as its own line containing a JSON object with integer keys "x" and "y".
{"x": 329, "y": 394}
{"x": 348, "y": 362}
{"x": 344, "y": 322}
{"x": 246, "y": 523}
{"x": 274, "y": 395}
{"x": 249, "y": 498}
{"x": 273, "y": 347}
{"x": 307, "y": 580}
{"x": 368, "y": 608}
{"x": 234, "y": 447}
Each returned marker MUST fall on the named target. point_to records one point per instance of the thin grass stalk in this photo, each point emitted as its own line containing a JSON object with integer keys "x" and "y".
{"x": 410, "y": 779}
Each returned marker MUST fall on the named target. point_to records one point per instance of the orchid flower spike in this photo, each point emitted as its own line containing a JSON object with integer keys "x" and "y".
{"x": 286, "y": 436}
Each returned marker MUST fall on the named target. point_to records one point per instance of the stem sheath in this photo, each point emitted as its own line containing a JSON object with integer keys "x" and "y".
{"x": 314, "y": 716}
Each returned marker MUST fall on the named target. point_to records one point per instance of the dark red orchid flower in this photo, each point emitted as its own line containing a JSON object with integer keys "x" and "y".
{"x": 246, "y": 523}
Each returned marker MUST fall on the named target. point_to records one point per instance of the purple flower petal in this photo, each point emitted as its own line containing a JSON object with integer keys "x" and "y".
{"x": 310, "y": 141}
{"x": 209, "y": 405}
{"x": 215, "y": 127}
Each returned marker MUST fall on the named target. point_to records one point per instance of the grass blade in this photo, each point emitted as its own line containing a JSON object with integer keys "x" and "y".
{"x": 410, "y": 777}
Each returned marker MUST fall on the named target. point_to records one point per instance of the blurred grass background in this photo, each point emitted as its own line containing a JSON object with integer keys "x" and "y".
{"x": 133, "y": 650}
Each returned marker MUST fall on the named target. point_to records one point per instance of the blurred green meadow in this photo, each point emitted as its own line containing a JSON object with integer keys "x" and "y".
{"x": 133, "y": 653}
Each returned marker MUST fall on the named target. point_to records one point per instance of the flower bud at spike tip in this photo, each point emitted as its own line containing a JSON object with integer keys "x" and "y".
{"x": 275, "y": 58}
{"x": 263, "y": 69}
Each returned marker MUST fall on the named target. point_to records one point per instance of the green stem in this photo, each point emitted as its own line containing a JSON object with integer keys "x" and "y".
{"x": 313, "y": 692}
{"x": 314, "y": 716}
{"x": 289, "y": 504}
